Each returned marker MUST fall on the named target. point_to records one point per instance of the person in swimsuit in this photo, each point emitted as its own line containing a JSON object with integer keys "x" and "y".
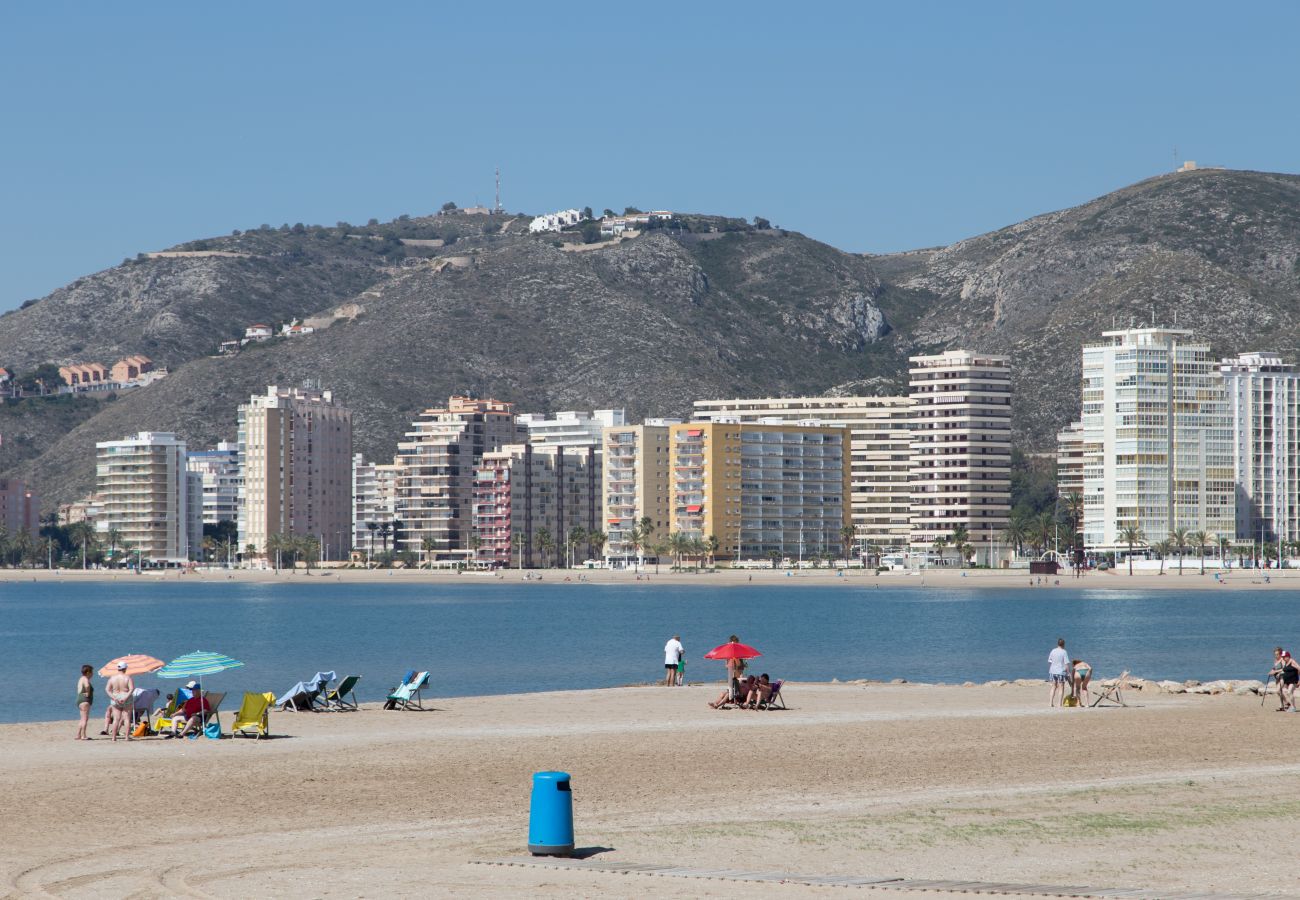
{"x": 85, "y": 697}
{"x": 121, "y": 696}
{"x": 1290, "y": 678}
{"x": 1082, "y": 678}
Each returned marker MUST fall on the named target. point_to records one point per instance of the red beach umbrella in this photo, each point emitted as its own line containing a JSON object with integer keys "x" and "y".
{"x": 732, "y": 651}
{"x": 136, "y": 664}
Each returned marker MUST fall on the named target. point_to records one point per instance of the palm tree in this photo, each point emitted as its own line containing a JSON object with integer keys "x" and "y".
{"x": 1224, "y": 545}
{"x": 577, "y": 536}
{"x": 711, "y": 545}
{"x": 427, "y": 545}
{"x": 1269, "y": 552}
{"x": 1200, "y": 542}
{"x": 1016, "y": 532}
{"x": 475, "y": 542}
{"x": 847, "y": 534}
{"x": 546, "y": 544}
{"x": 598, "y": 540}
{"x": 1043, "y": 528}
{"x": 937, "y": 546}
{"x": 1162, "y": 550}
{"x": 373, "y": 528}
{"x": 274, "y": 545}
{"x": 113, "y": 537}
{"x": 639, "y": 538}
{"x": 659, "y": 549}
{"x": 309, "y": 548}
{"x": 1178, "y": 537}
{"x": 775, "y": 556}
{"x": 1131, "y": 535}
{"x": 960, "y": 539}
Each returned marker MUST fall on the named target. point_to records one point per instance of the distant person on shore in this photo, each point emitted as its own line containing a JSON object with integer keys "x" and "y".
{"x": 85, "y": 697}
{"x": 1290, "y": 678}
{"x": 1058, "y": 668}
{"x": 1275, "y": 675}
{"x": 121, "y": 696}
{"x": 1082, "y": 678}
{"x": 673, "y": 652}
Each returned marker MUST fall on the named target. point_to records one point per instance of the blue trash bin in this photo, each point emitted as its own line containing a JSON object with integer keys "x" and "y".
{"x": 550, "y": 817}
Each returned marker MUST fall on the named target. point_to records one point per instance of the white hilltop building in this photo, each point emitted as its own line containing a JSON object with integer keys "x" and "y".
{"x": 555, "y": 221}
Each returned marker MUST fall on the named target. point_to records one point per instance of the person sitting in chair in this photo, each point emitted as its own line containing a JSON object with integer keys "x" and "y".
{"x": 742, "y": 688}
{"x": 191, "y": 716}
{"x": 760, "y": 691}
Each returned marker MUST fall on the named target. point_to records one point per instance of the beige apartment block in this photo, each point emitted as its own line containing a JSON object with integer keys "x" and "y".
{"x": 635, "y": 469}
{"x": 761, "y": 489}
{"x": 296, "y": 449}
{"x": 1157, "y": 438}
{"x": 961, "y": 449}
{"x": 145, "y": 498}
{"x": 436, "y": 467}
{"x": 1069, "y": 460}
{"x": 530, "y": 495}
{"x": 879, "y": 443}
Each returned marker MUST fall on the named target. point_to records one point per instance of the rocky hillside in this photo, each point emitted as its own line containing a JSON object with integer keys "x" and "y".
{"x": 459, "y": 303}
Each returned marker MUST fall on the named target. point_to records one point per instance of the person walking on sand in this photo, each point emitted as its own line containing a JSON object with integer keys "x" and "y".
{"x": 1290, "y": 678}
{"x": 1058, "y": 668}
{"x": 1275, "y": 675}
{"x": 121, "y": 694}
{"x": 85, "y": 697}
{"x": 673, "y": 651}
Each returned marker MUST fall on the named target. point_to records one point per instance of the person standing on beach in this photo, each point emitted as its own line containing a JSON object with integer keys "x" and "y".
{"x": 1058, "y": 671}
{"x": 1275, "y": 675}
{"x": 121, "y": 694}
{"x": 673, "y": 651}
{"x": 1290, "y": 678}
{"x": 85, "y": 697}
{"x": 735, "y": 671}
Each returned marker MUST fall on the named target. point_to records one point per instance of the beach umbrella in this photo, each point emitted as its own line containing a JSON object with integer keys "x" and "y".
{"x": 732, "y": 650}
{"x": 198, "y": 664}
{"x": 136, "y": 664}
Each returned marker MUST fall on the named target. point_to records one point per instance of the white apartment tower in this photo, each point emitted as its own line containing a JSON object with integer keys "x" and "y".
{"x": 436, "y": 468}
{"x": 374, "y": 504}
{"x": 571, "y": 429}
{"x": 961, "y": 448}
{"x": 296, "y": 449}
{"x": 880, "y": 439}
{"x": 146, "y": 492}
{"x": 1157, "y": 441}
{"x": 1264, "y": 408}
{"x": 220, "y": 474}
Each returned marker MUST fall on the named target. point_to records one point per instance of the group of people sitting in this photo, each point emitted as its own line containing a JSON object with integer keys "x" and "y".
{"x": 746, "y": 692}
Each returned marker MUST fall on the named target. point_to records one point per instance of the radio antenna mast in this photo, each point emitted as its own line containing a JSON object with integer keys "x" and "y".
{"x": 498, "y": 206}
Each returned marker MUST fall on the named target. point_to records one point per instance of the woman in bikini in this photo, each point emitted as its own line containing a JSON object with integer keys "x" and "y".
{"x": 1082, "y": 678}
{"x": 85, "y": 697}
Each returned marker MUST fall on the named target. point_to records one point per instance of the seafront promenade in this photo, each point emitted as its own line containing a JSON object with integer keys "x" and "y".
{"x": 979, "y": 784}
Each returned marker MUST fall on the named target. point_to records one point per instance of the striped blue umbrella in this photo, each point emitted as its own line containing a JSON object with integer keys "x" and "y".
{"x": 197, "y": 664}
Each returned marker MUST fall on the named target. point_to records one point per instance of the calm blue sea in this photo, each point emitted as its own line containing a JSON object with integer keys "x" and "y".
{"x": 501, "y": 638}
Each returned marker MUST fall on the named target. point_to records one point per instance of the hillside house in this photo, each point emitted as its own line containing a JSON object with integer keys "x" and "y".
{"x": 83, "y": 375}
{"x": 612, "y": 226}
{"x": 296, "y": 330}
{"x": 555, "y": 221}
{"x": 258, "y": 333}
{"x": 130, "y": 368}
{"x": 228, "y": 348}
{"x": 4, "y": 376}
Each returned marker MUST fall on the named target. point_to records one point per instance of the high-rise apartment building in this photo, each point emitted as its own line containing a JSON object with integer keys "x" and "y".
{"x": 634, "y": 470}
{"x": 961, "y": 448}
{"x": 374, "y": 504}
{"x": 220, "y": 476}
{"x": 296, "y": 449}
{"x": 1069, "y": 460}
{"x": 571, "y": 429}
{"x": 436, "y": 467}
{"x": 1263, "y": 395}
{"x": 1157, "y": 440}
{"x": 145, "y": 494}
{"x": 761, "y": 489}
{"x": 880, "y": 452}
{"x": 530, "y": 498}
{"x": 20, "y": 508}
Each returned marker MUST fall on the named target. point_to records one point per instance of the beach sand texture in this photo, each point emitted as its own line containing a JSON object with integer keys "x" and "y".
{"x": 1178, "y": 793}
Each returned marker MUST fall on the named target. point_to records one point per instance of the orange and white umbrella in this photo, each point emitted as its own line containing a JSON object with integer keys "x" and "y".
{"x": 136, "y": 664}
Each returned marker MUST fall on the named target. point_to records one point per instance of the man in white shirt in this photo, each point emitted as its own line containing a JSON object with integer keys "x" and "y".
{"x": 673, "y": 652}
{"x": 1058, "y": 667}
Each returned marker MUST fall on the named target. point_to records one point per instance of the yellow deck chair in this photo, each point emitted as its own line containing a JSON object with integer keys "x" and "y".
{"x": 254, "y": 716}
{"x": 165, "y": 715}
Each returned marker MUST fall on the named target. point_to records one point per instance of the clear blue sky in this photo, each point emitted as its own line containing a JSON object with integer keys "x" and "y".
{"x": 873, "y": 127}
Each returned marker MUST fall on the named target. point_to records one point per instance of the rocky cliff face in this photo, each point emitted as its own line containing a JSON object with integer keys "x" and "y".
{"x": 658, "y": 321}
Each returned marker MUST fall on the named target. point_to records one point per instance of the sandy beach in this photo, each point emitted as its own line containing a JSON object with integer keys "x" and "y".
{"x": 1175, "y": 794}
{"x": 1191, "y": 579}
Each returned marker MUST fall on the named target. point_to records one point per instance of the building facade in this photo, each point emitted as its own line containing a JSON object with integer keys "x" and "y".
{"x": 1069, "y": 460}
{"x": 880, "y": 453}
{"x": 529, "y": 499}
{"x": 145, "y": 492}
{"x": 437, "y": 463}
{"x": 1157, "y": 440}
{"x": 220, "y": 476}
{"x": 1263, "y": 395}
{"x": 570, "y": 428}
{"x": 761, "y": 489}
{"x": 374, "y": 504}
{"x": 20, "y": 508}
{"x": 961, "y": 449}
{"x": 634, "y": 471}
{"x": 296, "y": 449}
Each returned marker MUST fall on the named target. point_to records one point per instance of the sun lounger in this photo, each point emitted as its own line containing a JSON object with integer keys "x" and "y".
{"x": 214, "y": 699}
{"x": 407, "y": 695}
{"x": 254, "y": 716}
{"x": 1112, "y": 691}
{"x": 337, "y": 699}
{"x": 305, "y": 694}
{"x": 774, "y": 700}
